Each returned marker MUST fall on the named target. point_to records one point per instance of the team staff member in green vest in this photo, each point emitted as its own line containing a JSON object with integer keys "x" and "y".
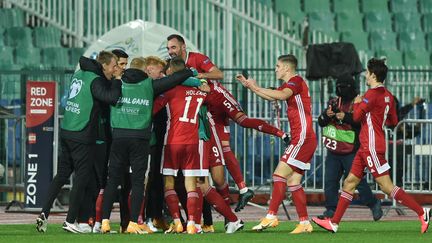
{"x": 131, "y": 122}
{"x": 89, "y": 90}
{"x": 340, "y": 137}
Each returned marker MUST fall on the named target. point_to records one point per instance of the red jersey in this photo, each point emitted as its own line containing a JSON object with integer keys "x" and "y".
{"x": 299, "y": 110}
{"x": 376, "y": 110}
{"x": 183, "y": 104}
{"x": 199, "y": 61}
{"x": 221, "y": 103}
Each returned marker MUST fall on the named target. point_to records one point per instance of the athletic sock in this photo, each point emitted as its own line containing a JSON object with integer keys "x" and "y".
{"x": 172, "y": 202}
{"x": 216, "y": 200}
{"x": 259, "y": 125}
{"x": 99, "y": 202}
{"x": 403, "y": 198}
{"x": 224, "y": 192}
{"x": 233, "y": 167}
{"x": 343, "y": 203}
{"x": 299, "y": 199}
{"x": 278, "y": 194}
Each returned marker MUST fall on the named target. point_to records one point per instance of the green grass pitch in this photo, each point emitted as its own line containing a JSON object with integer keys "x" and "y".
{"x": 386, "y": 231}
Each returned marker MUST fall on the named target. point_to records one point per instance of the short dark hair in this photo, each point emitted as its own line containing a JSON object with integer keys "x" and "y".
{"x": 378, "y": 67}
{"x": 175, "y": 36}
{"x": 176, "y": 64}
{"x": 120, "y": 53}
{"x": 289, "y": 58}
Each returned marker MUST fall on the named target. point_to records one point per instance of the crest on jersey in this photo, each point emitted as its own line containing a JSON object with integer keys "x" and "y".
{"x": 75, "y": 88}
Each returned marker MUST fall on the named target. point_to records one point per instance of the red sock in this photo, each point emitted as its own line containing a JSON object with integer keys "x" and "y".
{"x": 259, "y": 125}
{"x": 219, "y": 204}
{"x": 224, "y": 192}
{"x": 278, "y": 194}
{"x": 233, "y": 167}
{"x": 99, "y": 202}
{"x": 299, "y": 199}
{"x": 172, "y": 202}
{"x": 199, "y": 208}
{"x": 344, "y": 202}
{"x": 403, "y": 198}
{"x": 141, "y": 215}
{"x": 192, "y": 199}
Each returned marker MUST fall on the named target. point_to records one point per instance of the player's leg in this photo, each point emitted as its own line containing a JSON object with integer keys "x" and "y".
{"x": 333, "y": 174}
{"x": 192, "y": 201}
{"x": 243, "y": 120}
{"x": 218, "y": 177}
{"x": 387, "y": 186}
{"x": 172, "y": 202}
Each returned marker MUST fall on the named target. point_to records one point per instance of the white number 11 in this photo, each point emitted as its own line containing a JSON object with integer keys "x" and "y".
{"x": 184, "y": 118}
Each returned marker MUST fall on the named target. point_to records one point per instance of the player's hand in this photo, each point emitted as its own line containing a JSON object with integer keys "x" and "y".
{"x": 242, "y": 79}
{"x": 200, "y": 76}
{"x": 358, "y": 99}
{"x": 329, "y": 111}
{"x": 204, "y": 88}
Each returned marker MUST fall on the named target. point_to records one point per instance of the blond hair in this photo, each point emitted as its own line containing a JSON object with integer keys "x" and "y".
{"x": 138, "y": 63}
{"x": 154, "y": 60}
{"x": 105, "y": 57}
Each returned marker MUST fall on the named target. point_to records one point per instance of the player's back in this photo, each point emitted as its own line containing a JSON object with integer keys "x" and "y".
{"x": 380, "y": 110}
{"x": 183, "y": 104}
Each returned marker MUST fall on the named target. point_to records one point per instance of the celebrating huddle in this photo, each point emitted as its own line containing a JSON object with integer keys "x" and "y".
{"x": 178, "y": 113}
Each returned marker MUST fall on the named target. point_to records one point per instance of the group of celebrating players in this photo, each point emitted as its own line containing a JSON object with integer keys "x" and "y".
{"x": 188, "y": 110}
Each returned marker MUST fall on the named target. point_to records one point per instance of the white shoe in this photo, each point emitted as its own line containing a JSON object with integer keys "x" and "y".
{"x": 151, "y": 226}
{"x": 85, "y": 228}
{"x": 232, "y": 227}
{"x": 41, "y": 223}
{"x": 97, "y": 228}
{"x": 73, "y": 228}
{"x": 199, "y": 229}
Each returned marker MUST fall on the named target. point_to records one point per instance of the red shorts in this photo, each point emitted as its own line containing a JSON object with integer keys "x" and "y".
{"x": 299, "y": 155}
{"x": 185, "y": 157}
{"x": 376, "y": 163}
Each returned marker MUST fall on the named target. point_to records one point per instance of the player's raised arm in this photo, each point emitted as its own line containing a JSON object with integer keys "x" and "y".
{"x": 268, "y": 94}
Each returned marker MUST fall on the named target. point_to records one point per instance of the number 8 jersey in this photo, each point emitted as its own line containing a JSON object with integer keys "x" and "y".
{"x": 183, "y": 104}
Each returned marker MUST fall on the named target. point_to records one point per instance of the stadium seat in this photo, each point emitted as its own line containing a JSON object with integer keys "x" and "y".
{"x": 358, "y": 38}
{"x": 425, "y": 6}
{"x": 406, "y": 22}
{"x": 28, "y": 57}
{"x": 399, "y": 6}
{"x": 19, "y": 37}
{"x": 350, "y": 6}
{"x": 321, "y": 21}
{"x": 75, "y": 54}
{"x": 56, "y": 57}
{"x": 316, "y": 6}
{"x": 374, "y": 6}
{"x": 427, "y": 22}
{"x": 2, "y": 37}
{"x": 383, "y": 40}
{"x": 349, "y": 21}
{"x": 11, "y": 17}
{"x": 411, "y": 41}
{"x": 6, "y": 57}
{"x": 429, "y": 41}
{"x": 47, "y": 37}
{"x": 417, "y": 58}
{"x": 394, "y": 57}
{"x": 292, "y": 10}
{"x": 376, "y": 21}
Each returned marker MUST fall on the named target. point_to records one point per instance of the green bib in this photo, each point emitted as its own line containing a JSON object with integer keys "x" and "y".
{"x": 134, "y": 109}
{"x": 80, "y": 101}
{"x": 332, "y": 132}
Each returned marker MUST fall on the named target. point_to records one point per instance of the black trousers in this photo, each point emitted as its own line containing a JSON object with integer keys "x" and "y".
{"x": 124, "y": 152}
{"x": 336, "y": 166}
{"x": 78, "y": 158}
{"x": 155, "y": 186}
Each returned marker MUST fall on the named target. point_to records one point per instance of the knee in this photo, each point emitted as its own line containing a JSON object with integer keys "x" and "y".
{"x": 349, "y": 184}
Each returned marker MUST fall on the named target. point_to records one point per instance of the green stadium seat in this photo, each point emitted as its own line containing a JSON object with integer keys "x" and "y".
{"x": 56, "y": 57}
{"x": 429, "y": 41}
{"x": 349, "y": 21}
{"x": 399, "y": 6}
{"x": 377, "y": 21}
{"x": 358, "y": 38}
{"x": 427, "y": 22}
{"x": 75, "y": 54}
{"x": 394, "y": 57}
{"x": 316, "y": 6}
{"x": 19, "y": 37}
{"x": 11, "y": 87}
{"x": 350, "y": 6}
{"x": 11, "y": 17}
{"x": 374, "y": 6}
{"x": 417, "y": 58}
{"x": 406, "y": 22}
{"x": 425, "y": 6}
{"x": 47, "y": 37}
{"x": 28, "y": 57}
{"x": 321, "y": 21}
{"x": 382, "y": 40}
{"x": 6, "y": 57}
{"x": 2, "y": 38}
{"x": 292, "y": 10}
{"x": 411, "y": 41}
